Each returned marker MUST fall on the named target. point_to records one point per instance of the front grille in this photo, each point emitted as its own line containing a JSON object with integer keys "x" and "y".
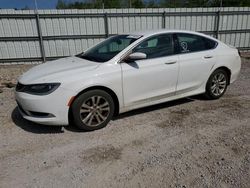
{"x": 19, "y": 87}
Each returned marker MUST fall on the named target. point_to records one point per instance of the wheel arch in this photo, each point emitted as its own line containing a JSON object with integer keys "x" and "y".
{"x": 103, "y": 88}
{"x": 228, "y": 71}
{"x": 208, "y": 93}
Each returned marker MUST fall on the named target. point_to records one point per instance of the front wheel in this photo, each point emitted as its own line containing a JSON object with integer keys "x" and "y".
{"x": 217, "y": 84}
{"x": 92, "y": 110}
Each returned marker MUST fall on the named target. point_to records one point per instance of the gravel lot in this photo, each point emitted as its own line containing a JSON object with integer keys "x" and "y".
{"x": 186, "y": 143}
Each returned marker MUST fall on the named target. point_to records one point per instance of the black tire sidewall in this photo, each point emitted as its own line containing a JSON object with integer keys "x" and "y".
{"x": 77, "y": 105}
{"x": 209, "y": 93}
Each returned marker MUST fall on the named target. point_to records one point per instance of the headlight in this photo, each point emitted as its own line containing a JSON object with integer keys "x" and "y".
{"x": 37, "y": 89}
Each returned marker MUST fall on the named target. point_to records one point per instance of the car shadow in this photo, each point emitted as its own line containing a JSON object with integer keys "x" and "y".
{"x": 73, "y": 128}
{"x": 155, "y": 107}
{"x": 32, "y": 127}
{"x": 45, "y": 129}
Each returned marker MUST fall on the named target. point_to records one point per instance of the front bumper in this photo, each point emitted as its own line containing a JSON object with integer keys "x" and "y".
{"x": 49, "y": 109}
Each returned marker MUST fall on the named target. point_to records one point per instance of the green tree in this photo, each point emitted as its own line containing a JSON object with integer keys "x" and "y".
{"x": 137, "y": 4}
{"x": 170, "y": 3}
{"x": 152, "y": 4}
{"x": 26, "y": 7}
{"x": 89, "y": 4}
{"x": 230, "y": 3}
{"x": 61, "y": 4}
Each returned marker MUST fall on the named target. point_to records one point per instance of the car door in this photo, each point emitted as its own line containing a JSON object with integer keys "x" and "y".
{"x": 196, "y": 59}
{"x": 153, "y": 78}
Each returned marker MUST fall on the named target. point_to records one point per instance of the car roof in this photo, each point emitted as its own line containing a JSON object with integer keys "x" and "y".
{"x": 160, "y": 31}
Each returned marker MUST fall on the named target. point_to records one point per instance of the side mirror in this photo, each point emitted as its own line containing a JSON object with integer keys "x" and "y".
{"x": 136, "y": 56}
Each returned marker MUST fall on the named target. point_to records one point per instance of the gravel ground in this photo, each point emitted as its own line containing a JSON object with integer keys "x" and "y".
{"x": 190, "y": 142}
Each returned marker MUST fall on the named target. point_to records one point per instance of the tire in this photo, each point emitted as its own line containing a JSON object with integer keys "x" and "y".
{"x": 217, "y": 84}
{"x": 92, "y": 110}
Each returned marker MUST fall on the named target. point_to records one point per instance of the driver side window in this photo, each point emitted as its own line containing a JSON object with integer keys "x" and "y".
{"x": 156, "y": 46}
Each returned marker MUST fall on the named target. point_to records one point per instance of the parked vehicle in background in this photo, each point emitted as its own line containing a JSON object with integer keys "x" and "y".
{"x": 126, "y": 72}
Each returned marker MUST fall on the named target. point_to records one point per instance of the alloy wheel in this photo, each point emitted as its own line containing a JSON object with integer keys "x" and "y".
{"x": 219, "y": 83}
{"x": 94, "y": 111}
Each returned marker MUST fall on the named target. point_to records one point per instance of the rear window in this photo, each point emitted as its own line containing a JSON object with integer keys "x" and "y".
{"x": 194, "y": 43}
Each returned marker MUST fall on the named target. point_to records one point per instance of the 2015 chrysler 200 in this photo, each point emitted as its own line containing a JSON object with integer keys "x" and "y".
{"x": 126, "y": 72}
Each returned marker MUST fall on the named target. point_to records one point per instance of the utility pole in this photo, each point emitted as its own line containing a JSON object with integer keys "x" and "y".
{"x": 103, "y": 5}
{"x": 221, "y": 4}
{"x": 39, "y": 31}
{"x": 36, "y": 7}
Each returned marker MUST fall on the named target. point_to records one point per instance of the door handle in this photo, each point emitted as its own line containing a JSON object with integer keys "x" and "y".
{"x": 208, "y": 56}
{"x": 170, "y": 62}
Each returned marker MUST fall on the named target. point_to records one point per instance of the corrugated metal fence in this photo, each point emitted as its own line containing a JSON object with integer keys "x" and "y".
{"x": 26, "y": 36}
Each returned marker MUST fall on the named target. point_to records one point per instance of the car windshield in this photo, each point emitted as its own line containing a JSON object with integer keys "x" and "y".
{"x": 109, "y": 48}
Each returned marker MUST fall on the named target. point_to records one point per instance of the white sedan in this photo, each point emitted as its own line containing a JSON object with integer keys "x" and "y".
{"x": 126, "y": 72}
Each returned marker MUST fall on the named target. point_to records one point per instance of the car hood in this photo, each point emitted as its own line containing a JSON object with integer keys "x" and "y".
{"x": 57, "y": 70}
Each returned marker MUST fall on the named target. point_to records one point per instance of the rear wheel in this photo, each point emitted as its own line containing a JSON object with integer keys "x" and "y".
{"x": 217, "y": 84}
{"x": 92, "y": 110}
